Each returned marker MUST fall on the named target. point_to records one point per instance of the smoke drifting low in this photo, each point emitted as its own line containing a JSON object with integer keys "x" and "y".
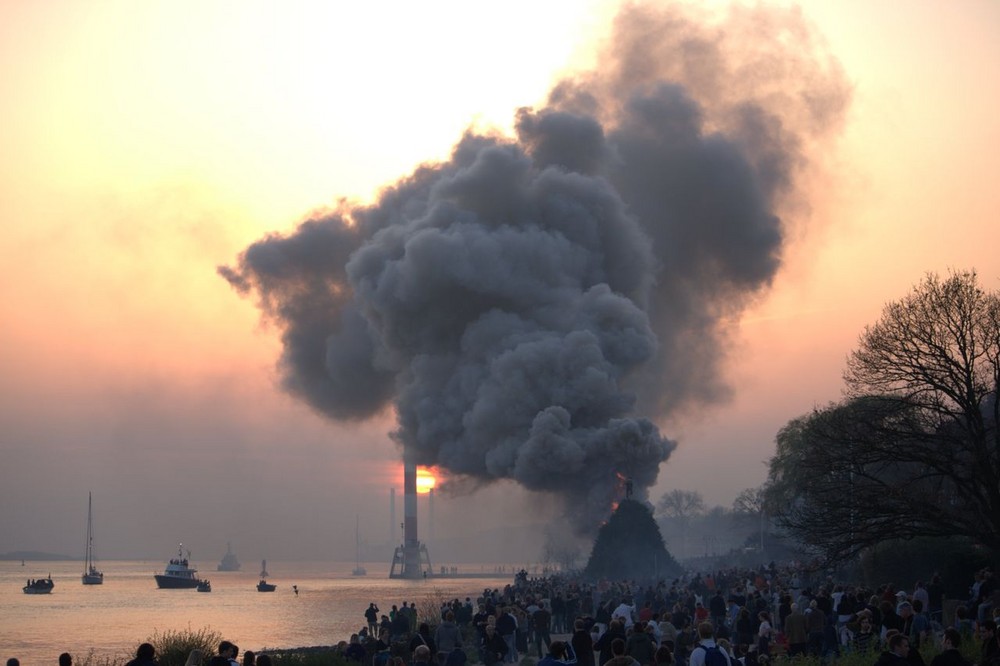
{"x": 522, "y": 303}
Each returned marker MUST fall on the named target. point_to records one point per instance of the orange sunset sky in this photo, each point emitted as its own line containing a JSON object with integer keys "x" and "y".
{"x": 142, "y": 144}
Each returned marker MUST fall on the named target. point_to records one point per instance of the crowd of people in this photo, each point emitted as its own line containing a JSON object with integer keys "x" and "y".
{"x": 717, "y": 619}
{"x": 725, "y": 618}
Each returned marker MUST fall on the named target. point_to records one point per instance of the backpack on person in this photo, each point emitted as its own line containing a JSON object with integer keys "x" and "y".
{"x": 714, "y": 656}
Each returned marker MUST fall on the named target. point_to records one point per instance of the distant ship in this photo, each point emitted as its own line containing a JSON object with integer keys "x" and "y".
{"x": 178, "y": 575}
{"x": 229, "y": 561}
{"x": 204, "y": 586}
{"x": 40, "y": 586}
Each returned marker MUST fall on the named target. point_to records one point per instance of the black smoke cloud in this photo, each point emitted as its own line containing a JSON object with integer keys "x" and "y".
{"x": 519, "y": 304}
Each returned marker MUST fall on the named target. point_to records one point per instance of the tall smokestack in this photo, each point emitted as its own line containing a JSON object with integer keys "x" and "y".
{"x": 410, "y": 505}
{"x": 392, "y": 515}
{"x": 411, "y": 544}
{"x": 412, "y": 558}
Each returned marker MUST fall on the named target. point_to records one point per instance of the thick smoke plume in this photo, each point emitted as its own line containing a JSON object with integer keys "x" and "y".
{"x": 519, "y": 304}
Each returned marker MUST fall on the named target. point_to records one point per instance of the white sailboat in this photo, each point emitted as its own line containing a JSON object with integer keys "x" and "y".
{"x": 358, "y": 569}
{"x": 91, "y": 576}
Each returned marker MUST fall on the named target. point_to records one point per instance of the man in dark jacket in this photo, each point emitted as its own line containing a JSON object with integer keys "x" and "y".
{"x": 603, "y": 644}
{"x": 583, "y": 644}
{"x": 492, "y": 647}
{"x": 950, "y": 656}
{"x": 507, "y": 628}
{"x": 896, "y": 655}
{"x": 640, "y": 645}
{"x": 541, "y": 624}
{"x": 796, "y": 631}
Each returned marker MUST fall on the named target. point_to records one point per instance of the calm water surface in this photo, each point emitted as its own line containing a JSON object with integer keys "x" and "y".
{"x": 113, "y": 618}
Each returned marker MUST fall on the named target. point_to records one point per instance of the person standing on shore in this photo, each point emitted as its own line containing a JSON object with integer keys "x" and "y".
{"x": 507, "y": 628}
{"x": 541, "y": 625}
{"x": 371, "y": 616}
{"x": 448, "y": 636}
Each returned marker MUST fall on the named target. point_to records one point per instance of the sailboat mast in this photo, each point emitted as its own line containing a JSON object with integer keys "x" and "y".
{"x": 90, "y": 530}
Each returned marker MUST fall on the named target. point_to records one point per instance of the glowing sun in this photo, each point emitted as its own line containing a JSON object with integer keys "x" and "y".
{"x": 425, "y": 481}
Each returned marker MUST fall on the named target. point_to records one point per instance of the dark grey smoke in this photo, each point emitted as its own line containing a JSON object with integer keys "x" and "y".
{"x": 519, "y": 303}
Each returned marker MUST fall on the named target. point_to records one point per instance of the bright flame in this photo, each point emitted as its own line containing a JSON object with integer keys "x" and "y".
{"x": 425, "y": 481}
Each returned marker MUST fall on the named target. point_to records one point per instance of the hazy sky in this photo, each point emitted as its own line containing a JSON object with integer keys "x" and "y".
{"x": 144, "y": 144}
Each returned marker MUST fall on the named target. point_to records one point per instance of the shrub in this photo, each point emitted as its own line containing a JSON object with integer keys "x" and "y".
{"x": 93, "y": 659}
{"x": 173, "y": 647}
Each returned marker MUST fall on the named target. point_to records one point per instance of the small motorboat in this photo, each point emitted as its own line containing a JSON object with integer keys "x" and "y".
{"x": 263, "y": 585}
{"x": 40, "y": 586}
{"x": 204, "y": 586}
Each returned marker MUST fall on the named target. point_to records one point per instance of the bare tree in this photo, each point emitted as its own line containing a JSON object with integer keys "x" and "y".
{"x": 914, "y": 450}
{"x": 681, "y": 504}
{"x": 561, "y": 548}
{"x": 750, "y": 502}
{"x": 751, "y": 506}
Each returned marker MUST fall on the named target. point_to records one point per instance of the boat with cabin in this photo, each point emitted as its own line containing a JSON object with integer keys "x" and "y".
{"x": 91, "y": 575}
{"x": 178, "y": 574}
{"x": 263, "y": 585}
{"x": 39, "y": 586}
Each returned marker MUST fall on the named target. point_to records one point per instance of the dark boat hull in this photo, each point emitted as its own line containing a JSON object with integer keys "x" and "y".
{"x": 175, "y": 583}
{"x": 265, "y": 587}
{"x": 43, "y": 586}
{"x": 37, "y": 590}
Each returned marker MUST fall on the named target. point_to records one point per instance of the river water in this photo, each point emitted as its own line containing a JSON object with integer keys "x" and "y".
{"x": 113, "y": 618}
